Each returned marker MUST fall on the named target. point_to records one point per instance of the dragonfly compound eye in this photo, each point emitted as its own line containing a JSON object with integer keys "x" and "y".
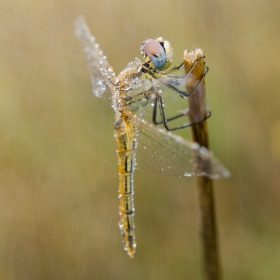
{"x": 154, "y": 52}
{"x": 158, "y": 53}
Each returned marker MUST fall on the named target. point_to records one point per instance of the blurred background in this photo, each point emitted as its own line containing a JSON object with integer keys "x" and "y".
{"x": 58, "y": 175}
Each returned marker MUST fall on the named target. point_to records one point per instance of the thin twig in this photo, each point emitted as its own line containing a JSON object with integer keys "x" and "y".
{"x": 197, "y": 112}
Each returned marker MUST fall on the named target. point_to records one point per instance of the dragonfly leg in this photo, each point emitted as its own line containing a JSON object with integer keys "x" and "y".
{"x": 183, "y": 93}
{"x": 155, "y": 113}
{"x": 164, "y": 121}
{"x": 175, "y": 69}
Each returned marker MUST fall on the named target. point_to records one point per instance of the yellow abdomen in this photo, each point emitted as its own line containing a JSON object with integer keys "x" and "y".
{"x": 126, "y": 145}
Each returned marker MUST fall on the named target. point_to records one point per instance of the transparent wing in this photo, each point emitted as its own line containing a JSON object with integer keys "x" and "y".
{"x": 101, "y": 73}
{"x": 179, "y": 80}
{"x": 164, "y": 153}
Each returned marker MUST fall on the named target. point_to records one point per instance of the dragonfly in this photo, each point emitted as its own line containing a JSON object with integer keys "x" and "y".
{"x": 158, "y": 149}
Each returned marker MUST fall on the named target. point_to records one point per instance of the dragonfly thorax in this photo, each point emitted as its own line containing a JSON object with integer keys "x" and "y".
{"x": 134, "y": 87}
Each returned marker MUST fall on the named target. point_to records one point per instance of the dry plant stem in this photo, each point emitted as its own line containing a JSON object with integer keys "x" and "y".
{"x": 197, "y": 112}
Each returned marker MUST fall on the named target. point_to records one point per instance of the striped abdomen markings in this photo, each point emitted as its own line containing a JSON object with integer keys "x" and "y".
{"x": 126, "y": 145}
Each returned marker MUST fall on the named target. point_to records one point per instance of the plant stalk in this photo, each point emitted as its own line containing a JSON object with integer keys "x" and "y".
{"x": 197, "y": 112}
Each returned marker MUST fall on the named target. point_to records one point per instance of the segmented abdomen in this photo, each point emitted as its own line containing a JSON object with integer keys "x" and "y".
{"x": 126, "y": 145}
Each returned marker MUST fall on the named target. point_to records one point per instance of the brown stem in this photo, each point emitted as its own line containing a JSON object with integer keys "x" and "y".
{"x": 197, "y": 112}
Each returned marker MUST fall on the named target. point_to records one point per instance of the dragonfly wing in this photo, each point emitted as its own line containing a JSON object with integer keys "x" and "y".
{"x": 101, "y": 73}
{"x": 178, "y": 81}
{"x": 164, "y": 153}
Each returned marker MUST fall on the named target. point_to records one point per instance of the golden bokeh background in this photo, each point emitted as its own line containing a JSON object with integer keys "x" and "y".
{"x": 58, "y": 175}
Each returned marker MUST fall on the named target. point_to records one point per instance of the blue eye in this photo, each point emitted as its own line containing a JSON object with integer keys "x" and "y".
{"x": 155, "y": 52}
{"x": 158, "y": 59}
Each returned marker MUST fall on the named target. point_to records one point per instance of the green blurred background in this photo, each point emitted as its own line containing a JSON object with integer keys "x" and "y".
{"x": 58, "y": 175}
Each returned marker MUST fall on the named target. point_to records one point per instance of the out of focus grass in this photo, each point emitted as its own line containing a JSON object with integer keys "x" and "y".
{"x": 58, "y": 173}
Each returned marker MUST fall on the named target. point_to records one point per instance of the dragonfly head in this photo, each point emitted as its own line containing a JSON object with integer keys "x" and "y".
{"x": 157, "y": 52}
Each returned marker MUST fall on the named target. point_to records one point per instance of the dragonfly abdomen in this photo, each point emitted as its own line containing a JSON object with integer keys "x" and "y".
{"x": 126, "y": 212}
{"x": 126, "y": 145}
